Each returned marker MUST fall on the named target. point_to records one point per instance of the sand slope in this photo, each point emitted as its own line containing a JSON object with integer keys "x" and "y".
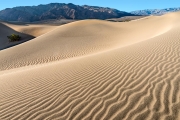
{"x": 95, "y": 70}
{"x": 83, "y": 38}
{"x": 26, "y": 31}
{"x": 6, "y": 31}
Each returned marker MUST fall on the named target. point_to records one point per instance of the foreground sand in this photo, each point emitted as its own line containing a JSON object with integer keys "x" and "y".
{"x": 95, "y": 70}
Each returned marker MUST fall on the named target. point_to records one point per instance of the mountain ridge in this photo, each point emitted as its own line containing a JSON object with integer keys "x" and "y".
{"x": 155, "y": 11}
{"x": 59, "y": 11}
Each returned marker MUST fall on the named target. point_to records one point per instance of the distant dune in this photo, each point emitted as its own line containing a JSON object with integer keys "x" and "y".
{"x": 93, "y": 70}
{"x": 26, "y": 30}
{"x": 125, "y": 19}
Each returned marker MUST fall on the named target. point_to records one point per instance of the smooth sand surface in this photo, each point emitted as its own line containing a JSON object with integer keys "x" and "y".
{"x": 95, "y": 70}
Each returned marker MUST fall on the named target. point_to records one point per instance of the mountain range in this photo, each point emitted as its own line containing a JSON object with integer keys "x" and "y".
{"x": 59, "y": 11}
{"x": 155, "y": 11}
{"x": 71, "y": 11}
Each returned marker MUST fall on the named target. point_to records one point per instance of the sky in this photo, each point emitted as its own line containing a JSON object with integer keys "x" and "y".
{"x": 123, "y": 5}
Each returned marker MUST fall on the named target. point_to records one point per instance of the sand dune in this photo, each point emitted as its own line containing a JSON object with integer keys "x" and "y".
{"x": 26, "y": 31}
{"x": 31, "y": 29}
{"x": 6, "y": 31}
{"x": 83, "y": 38}
{"x": 95, "y": 69}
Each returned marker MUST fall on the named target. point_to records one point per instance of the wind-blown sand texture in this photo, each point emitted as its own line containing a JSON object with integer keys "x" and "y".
{"x": 94, "y": 69}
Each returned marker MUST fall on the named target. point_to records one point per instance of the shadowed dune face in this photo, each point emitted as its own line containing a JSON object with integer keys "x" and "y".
{"x": 6, "y": 31}
{"x": 27, "y": 31}
{"x": 95, "y": 70}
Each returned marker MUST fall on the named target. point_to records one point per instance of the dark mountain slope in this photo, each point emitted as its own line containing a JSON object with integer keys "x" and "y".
{"x": 59, "y": 11}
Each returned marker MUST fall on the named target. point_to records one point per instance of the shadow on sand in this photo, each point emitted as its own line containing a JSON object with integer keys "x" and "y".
{"x": 6, "y": 31}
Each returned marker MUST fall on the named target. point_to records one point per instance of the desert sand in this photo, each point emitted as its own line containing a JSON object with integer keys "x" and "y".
{"x": 26, "y": 31}
{"x": 93, "y": 70}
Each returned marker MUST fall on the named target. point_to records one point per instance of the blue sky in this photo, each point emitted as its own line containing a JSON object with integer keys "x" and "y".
{"x": 123, "y": 5}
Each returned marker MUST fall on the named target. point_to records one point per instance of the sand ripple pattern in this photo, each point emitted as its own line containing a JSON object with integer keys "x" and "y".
{"x": 137, "y": 82}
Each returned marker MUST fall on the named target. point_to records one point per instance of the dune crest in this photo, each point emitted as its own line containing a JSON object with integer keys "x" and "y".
{"x": 83, "y": 38}
{"x": 95, "y": 70}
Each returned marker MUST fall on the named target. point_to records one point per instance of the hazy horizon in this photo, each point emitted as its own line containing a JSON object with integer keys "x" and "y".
{"x": 128, "y": 5}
